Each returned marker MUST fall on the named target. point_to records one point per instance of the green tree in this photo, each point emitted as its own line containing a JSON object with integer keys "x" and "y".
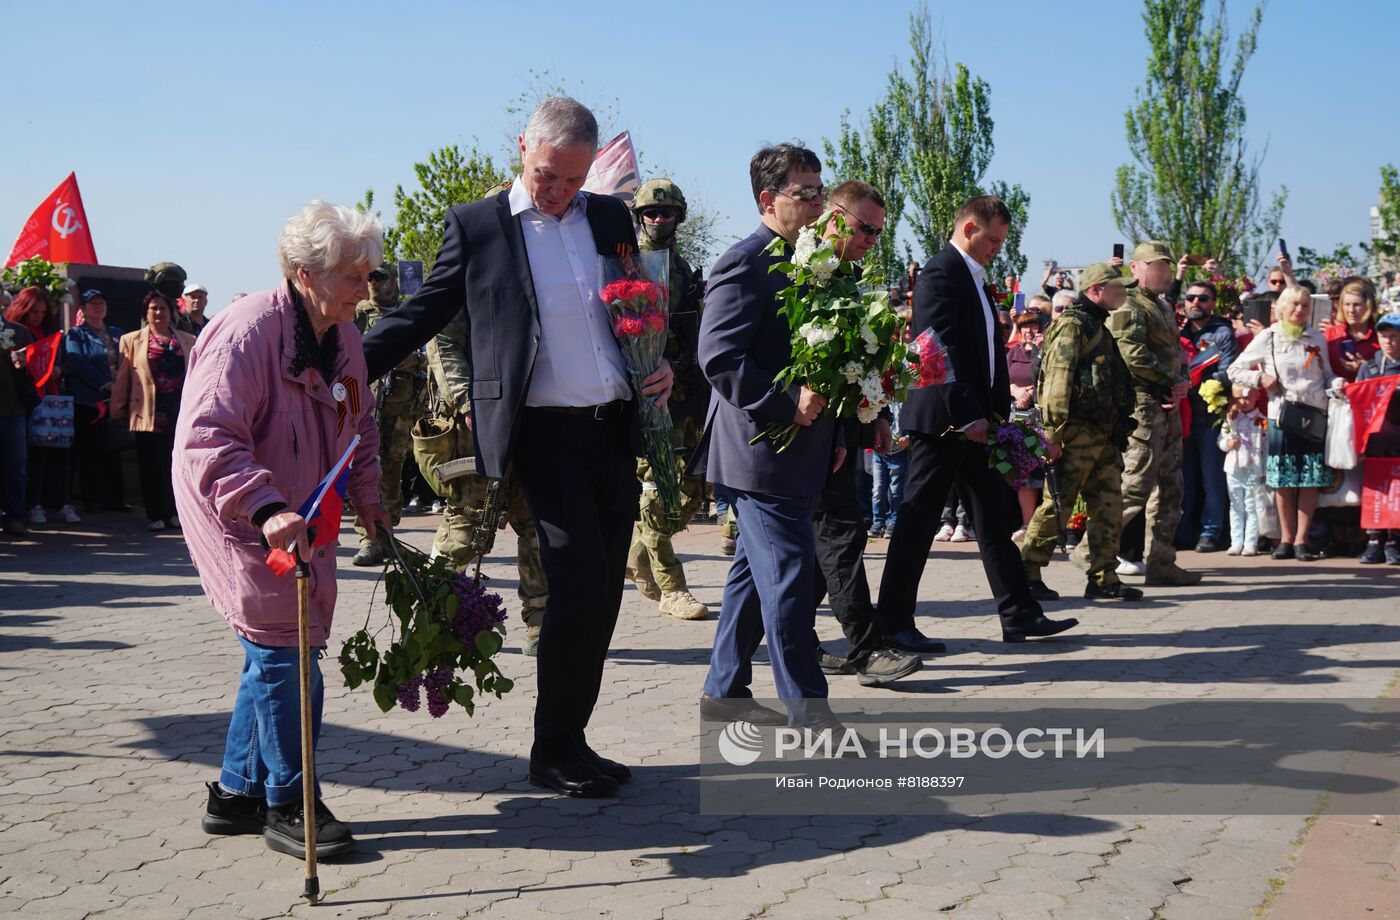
{"x": 449, "y": 177}
{"x": 1193, "y": 182}
{"x": 927, "y": 145}
{"x": 1385, "y": 248}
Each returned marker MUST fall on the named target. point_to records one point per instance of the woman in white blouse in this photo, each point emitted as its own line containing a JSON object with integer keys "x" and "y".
{"x": 1289, "y": 361}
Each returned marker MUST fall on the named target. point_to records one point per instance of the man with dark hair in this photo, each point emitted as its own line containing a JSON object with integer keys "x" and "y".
{"x": 839, "y": 519}
{"x": 744, "y": 344}
{"x": 948, "y": 427}
{"x": 1206, "y": 506}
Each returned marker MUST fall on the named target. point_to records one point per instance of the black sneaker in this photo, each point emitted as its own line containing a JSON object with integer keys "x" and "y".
{"x": 285, "y": 833}
{"x": 1282, "y": 551}
{"x": 885, "y": 666}
{"x": 233, "y": 814}
{"x": 830, "y": 664}
{"x": 1043, "y": 592}
{"x": 1374, "y": 554}
{"x": 1117, "y": 591}
{"x": 1210, "y": 545}
{"x": 1392, "y": 554}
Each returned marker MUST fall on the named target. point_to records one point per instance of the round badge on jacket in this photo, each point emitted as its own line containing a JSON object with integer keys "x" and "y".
{"x": 338, "y": 391}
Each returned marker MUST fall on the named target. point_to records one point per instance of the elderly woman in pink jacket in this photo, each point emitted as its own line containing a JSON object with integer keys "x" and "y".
{"x": 275, "y": 393}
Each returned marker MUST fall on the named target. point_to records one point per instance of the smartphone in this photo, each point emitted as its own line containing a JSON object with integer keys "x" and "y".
{"x": 1259, "y": 309}
{"x": 1194, "y": 259}
{"x": 1348, "y": 347}
{"x": 1117, "y": 250}
{"x": 1283, "y": 248}
{"x": 1322, "y": 308}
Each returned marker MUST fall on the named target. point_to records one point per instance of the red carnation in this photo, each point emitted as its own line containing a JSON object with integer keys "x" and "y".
{"x": 627, "y": 326}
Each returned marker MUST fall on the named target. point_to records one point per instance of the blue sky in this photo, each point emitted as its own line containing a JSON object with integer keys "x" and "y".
{"x": 195, "y": 129}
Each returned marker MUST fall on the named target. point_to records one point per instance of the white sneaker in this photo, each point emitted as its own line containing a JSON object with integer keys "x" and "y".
{"x": 945, "y": 533}
{"x": 155, "y": 526}
{"x": 962, "y": 534}
{"x": 1130, "y": 568}
{"x": 1018, "y": 536}
{"x": 68, "y": 515}
{"x": 1234, "y": 550}
{"x": 37, "y": 516}
{"x": 1250, "y": 551}
{"x": 437, "y": 507}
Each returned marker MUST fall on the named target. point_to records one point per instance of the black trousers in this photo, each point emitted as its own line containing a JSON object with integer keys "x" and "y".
{"x": 154, "y": 452}
{"x": 580, "y": 481}
{"x": 840, "y": 527}
{"x": 50, "y": 476}
{"x": 100, "y": 484}
{"x": 937, "y": 465}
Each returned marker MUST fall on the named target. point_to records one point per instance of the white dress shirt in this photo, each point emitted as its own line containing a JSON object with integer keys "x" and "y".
{"x": 579, "y": 362}
{"x": 979, "y": 280}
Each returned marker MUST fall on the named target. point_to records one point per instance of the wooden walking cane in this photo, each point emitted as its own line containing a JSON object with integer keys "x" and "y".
{"x": 312, "y": 889}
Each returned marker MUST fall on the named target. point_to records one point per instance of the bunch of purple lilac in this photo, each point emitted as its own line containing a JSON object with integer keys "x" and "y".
{"x": 477, "y": 611}
{"x": 1018, "y": 449}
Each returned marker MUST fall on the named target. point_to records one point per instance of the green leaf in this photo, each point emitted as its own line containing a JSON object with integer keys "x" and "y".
{"x": 384, "y": 695}
{"x": 488, "y": 642}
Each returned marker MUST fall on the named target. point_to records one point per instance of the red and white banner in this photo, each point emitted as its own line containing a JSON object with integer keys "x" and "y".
{"x": 1369, "y": 400}
{"x": 57, "y": 230}
{"x": 615, "y": 170}
{"x": 1380, "y": 493}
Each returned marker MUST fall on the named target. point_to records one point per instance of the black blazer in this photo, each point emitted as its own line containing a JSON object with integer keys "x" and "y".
{"x": 482, "y": 267}
{"x": 745, "y": 343}
{"x": 945, "y": 298}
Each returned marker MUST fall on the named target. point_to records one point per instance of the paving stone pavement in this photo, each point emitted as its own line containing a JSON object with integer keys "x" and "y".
{"x": 116, "y": 681}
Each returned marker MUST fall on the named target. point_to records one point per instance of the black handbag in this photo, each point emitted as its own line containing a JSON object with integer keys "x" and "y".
{"x": 1299, "y": 419}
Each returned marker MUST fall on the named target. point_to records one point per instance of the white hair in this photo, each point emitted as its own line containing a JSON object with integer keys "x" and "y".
{"x": 327, "y": 236}
{"x": 1063, "y": 298}
{"x": 561, "y": 122}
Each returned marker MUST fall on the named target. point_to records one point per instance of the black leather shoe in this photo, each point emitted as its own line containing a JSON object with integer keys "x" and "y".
{"x": 615, "y": 771}
{"x": 1303, "y": 554}
{"x": 574, "y": 776}
{"x": 1114, "y": 592}
{"x": 739, "y": 710}
{"x": 233, "y": 814}
{"x": 1282, "y": 551}
{"x": 285, "y": 832}
{"x": 1043, "y": 592}
{"x": 1210, "y": 545}
{"x": 1036, "y": 629}
{"x": 912, "y": 641}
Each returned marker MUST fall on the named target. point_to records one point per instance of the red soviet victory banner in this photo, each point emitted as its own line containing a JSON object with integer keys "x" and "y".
{"x": 1369, "y": 400}
{"x": 1380, "y": 493}
{"x": 57, "y": 230}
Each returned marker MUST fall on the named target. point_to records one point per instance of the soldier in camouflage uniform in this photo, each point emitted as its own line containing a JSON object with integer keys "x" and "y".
{"x": 447, "y": 359}
{"x": 1086, "y": 399}
{"x": 1148, "y": 339}
{"x": 398, "y": 402}
{"x": 658, "y": 208}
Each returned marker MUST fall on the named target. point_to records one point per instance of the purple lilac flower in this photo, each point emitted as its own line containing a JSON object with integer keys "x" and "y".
{"x": 476, "y": 610}
{"x": 408, "y": 695}
{"x": 437, "y": 683}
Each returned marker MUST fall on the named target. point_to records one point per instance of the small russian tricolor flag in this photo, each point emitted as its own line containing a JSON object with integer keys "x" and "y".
{"x": 321, "y": 510}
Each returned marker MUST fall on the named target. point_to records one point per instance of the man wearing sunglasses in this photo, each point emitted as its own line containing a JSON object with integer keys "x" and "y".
{"x": 1205, "y": 510}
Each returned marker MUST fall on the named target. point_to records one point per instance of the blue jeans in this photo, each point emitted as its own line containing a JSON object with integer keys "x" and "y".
{"x": 1244, "y": 488}
{"x": 1206, "y": 496}
{"x": 262, "y": 757}
{"x": 887, "y": 494}
{"x": 14, "y": 462}
{"x": 770, "y": 591}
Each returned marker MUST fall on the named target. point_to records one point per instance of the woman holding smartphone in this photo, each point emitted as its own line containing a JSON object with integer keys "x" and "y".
{"x": 1351, "y": 339}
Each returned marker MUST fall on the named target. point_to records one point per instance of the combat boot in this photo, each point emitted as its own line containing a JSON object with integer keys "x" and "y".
{"x": 682, "y": 605}
{"x": 1173, "y": 576}
{"x": 371, "y": 554}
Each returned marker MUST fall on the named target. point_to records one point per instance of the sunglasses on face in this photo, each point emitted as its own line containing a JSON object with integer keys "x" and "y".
{"x": 807, "y": 193}
{"x": 869, "y": 230}
{"x": 1206, "y": 297}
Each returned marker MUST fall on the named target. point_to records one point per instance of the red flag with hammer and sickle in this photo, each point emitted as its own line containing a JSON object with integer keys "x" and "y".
{"x": 57, "y": 230}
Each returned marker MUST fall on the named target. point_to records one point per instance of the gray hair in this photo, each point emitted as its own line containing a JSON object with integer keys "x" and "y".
{"x": 561, "y": 122}
{"x": 326, "y": 236}
{"x": 1063, "y": 299}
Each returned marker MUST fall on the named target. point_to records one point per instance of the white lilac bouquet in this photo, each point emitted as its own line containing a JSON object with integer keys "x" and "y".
{"x": 847, "y": 344}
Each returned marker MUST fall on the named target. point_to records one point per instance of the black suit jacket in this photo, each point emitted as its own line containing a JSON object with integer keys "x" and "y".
{"x": 482, "y": 268}
{"x": 945, "y": 299}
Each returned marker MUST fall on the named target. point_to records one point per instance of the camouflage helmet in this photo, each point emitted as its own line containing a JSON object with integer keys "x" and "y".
{"x": 657, "y": 193}
{"x": 168, "y": 278}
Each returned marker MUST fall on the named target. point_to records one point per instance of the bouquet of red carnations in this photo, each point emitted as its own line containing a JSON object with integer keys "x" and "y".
{"x": 636, "y": 291}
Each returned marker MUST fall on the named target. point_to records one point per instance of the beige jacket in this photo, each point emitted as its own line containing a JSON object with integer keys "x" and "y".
{"x": 134, "y": 390}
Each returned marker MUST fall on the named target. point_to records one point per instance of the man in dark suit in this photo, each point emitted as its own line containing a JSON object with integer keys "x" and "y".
{"x": 948, "y": 428}
{"x": 549, "y": 397}
{"x": 744, "y": 345}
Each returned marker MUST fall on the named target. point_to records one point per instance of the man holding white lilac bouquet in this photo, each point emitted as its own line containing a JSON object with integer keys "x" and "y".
{"x": 745, "y": 343}
{"x": 948, "y": 427}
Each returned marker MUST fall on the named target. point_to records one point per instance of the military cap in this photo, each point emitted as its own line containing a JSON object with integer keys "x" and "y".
{"x": 1152, "y": 251}
{"x": 1103, "y": 273}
